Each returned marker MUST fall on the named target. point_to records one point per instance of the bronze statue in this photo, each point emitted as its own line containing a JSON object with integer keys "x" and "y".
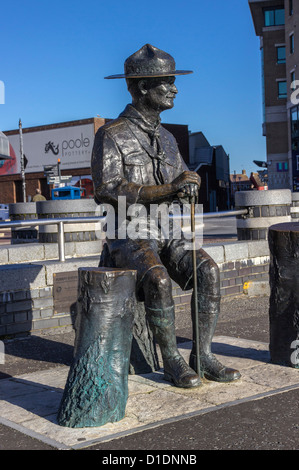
{"x": 136, "y": 157}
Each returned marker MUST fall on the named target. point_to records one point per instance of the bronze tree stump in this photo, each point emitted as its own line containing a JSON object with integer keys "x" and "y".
{"x": 96, "y": 390}
{"x": 284, "y": 297}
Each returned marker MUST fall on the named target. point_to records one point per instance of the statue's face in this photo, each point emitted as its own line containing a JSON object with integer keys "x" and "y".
{"x": 160, "y": 93}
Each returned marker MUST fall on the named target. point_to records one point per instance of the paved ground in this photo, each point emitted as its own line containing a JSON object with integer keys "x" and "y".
{"x": 268, "y": 421}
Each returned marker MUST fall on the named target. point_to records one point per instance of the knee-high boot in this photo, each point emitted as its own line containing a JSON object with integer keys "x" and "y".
{"x": 176, "y": 370}
{"x": 210, "y": 367}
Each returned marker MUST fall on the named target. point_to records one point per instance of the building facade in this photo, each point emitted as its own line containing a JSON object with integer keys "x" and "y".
{"x": 68, "y": 142}
{"x": 275, "y": 23}
{"x": 211, "y": 162}
{"x": 71, "y": 144}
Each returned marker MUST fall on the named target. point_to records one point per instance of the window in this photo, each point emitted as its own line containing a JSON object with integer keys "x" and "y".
{"x": 274, "y": 16}
{"x": 282, "y": 166}
{"x": 281, "y": 54}
{"x": 292, "y": 44}
{"x": 263, "y": 85}
{"x": 295, "y": 127}
{"x": 282, "y": 89}
{"x": 291, "y": 10}
{"x": 293, "y": 78}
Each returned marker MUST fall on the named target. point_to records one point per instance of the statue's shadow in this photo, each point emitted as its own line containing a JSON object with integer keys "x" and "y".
{"x": 230, "y": 350}
{"x": 44, "y": 400}
{"x": 34, "y": 350}
{"x": 32, "y": 397}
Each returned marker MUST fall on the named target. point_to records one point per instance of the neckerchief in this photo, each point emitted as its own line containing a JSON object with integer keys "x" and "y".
{"x": 153, "y": 131}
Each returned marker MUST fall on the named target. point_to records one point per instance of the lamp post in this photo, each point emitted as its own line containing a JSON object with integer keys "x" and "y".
{"x": 59, "y": 170}
{"x": 22, "y": 162}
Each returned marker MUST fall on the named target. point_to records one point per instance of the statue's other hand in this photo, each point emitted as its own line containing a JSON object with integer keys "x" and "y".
{"x": 187, "y": 182}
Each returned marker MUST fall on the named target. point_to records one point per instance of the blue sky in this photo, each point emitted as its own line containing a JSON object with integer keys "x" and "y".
{"x": 54, "y": 57}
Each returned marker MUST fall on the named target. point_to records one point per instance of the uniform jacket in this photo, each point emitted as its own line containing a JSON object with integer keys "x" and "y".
{"x": 124, "y": 159}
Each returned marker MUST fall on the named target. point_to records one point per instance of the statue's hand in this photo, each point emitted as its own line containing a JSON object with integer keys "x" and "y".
{"x": 187, "y": 184}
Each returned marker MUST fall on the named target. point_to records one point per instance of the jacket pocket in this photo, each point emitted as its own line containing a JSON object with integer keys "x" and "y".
{"x": 137, "y": 167}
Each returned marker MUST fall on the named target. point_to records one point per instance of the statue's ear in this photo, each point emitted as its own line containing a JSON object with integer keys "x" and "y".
{"x": 142, "y": 87}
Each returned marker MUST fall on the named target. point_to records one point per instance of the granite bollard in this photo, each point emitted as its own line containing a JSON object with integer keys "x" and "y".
{"x": 265, "y": 208}
{"x": 295, "y": 207}
{"x": 23, "y": 211}
{"x": 67, "y": 209}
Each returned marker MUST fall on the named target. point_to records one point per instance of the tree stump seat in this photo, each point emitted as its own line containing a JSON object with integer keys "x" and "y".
{"x": 112, "y": 339}
{"x": 284, "y": 293}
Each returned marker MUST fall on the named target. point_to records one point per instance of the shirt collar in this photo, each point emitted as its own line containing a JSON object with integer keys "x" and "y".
{"x": 131, "y": 113}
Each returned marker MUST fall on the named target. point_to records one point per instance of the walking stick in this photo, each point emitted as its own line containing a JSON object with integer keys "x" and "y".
{"x": 196, "y": 319}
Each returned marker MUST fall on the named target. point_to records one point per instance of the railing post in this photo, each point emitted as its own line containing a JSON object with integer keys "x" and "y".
{"x": 61, "y": 241}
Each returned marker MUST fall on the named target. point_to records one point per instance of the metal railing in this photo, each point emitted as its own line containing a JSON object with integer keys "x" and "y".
{"x": 54, "y": 221}
{"x": 233, "y": 213}
{"x": 60, "y": 222}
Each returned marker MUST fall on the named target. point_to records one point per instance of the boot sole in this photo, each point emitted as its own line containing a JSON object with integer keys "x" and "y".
{"x": 217, "y": 379}
{"x": 206, "y": 375}
{"x": 169, "y": 378}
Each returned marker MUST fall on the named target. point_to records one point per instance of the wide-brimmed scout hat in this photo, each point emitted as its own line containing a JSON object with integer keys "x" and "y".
{"x": 148, "y": 62}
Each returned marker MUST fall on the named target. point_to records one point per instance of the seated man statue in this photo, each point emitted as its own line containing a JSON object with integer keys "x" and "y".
{"x": 136, "y": 157}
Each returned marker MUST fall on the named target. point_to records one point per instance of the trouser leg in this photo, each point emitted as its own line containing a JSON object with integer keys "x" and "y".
{"x": 208, "y": 301}
{"x": 161, "y": 316}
